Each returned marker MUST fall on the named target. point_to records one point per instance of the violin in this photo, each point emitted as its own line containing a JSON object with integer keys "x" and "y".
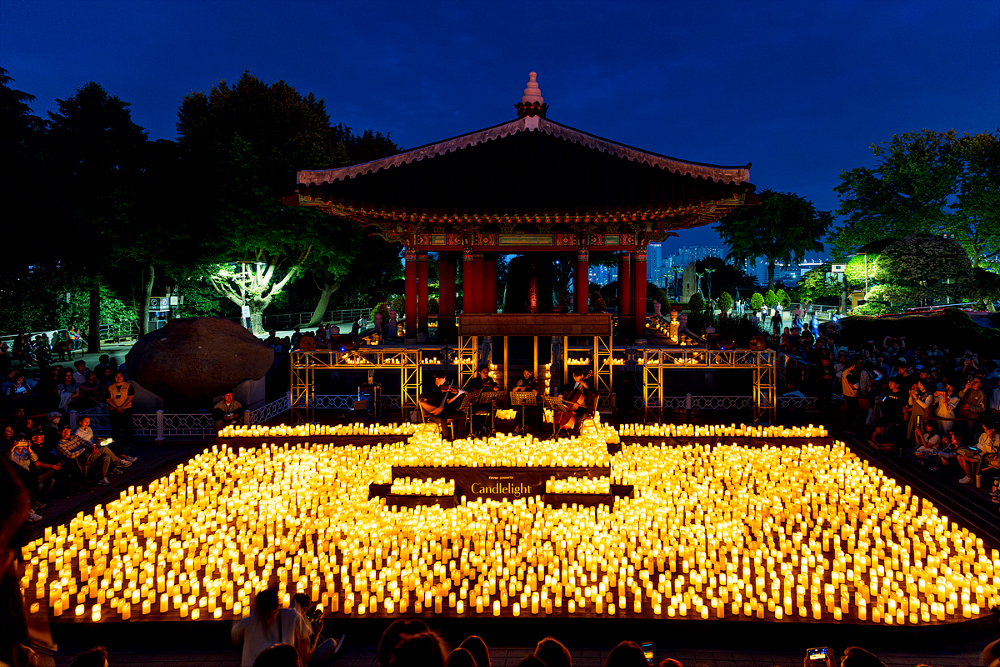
{"x": 575, "y": 400}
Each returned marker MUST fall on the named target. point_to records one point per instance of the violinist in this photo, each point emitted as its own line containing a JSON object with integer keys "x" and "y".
{"x": 527, "y": 381}
{"x": 482, "y": 380}
{"x": 578, "y": 396}
{"x": 527, "y": 384}
{"x": 442, "y": 402}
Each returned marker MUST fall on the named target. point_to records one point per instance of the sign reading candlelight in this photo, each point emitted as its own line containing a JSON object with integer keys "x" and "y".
{"x": 498, "y": 483}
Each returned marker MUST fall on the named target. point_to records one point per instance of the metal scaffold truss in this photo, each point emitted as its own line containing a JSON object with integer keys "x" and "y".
{"x": 468, "y": 358}
{"x": 304, "y": 365}
{"x": 761, "y": 362}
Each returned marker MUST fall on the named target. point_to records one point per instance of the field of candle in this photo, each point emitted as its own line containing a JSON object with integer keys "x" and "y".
{"x": 778, "y": 532}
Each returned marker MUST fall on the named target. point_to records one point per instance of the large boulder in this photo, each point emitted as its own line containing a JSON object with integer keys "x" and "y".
{"x": 198, "y": 358}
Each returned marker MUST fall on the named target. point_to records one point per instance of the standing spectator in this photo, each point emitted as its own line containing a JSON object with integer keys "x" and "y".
{"x": 296, "y": 337}
{"x": 972, "y": 403}
{"x": 119, "y": 400}
{"x": 920, "y": 401}
{"x": 29, "y": 469}
{"x": 80, "y": 376}
{"x": 268, "y": 624}
{"x": 945, "y": 403}
{"x": 66, "y": 391}
{"x": 849, "y": 388}
{"x": 227, "y": 412}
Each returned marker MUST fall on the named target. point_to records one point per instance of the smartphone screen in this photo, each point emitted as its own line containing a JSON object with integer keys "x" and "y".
{"x": 818, "y": 654}
{"x": 647, "y": 650}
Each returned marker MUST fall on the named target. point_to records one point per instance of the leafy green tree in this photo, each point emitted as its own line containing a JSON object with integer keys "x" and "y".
{"x": 725, "y": 302}
{"x": 782, "y": 228}
{"x": 818, "y": 284}
{"x": 771, "y": 298}
{"x": 925, "y": 182}
{"x": 923, "y": 268}
{"x": 243, "y": 145}
{"x": 696, "y": 303}
{"x": 783, "y": 298}
{"x": 756, "y": 301}
{"x": 98, "y": 158}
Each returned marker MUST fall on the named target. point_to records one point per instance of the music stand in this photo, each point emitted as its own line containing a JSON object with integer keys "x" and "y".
{"x": 490, "y": 397}
{"x": 556, "y": 404}
{"x": 523, "y": 399}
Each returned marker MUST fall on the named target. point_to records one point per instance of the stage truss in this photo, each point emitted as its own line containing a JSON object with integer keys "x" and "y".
{"x": 761, "y": 362}
{"x": 407, "y": 361}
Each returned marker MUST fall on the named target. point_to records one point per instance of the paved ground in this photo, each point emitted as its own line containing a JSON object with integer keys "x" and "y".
{"x": 509, "y": 656}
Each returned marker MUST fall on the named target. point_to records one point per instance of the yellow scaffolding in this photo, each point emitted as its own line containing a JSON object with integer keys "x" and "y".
{"x": 305, "y": 364}
{"x": 761, "y": 362}
{"x": 467, "y": 360}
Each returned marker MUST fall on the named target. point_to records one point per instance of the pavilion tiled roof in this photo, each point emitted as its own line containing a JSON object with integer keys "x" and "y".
{"x": 529, "y": 171}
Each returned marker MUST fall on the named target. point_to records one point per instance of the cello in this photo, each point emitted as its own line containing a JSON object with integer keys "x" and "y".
{"x": 575, "y": 400}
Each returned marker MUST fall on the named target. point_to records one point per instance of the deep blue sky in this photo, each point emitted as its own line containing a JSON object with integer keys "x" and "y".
{"x": 801, "y": 89}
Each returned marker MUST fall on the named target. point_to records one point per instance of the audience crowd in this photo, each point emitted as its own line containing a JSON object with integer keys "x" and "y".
{"x": 51, "y": 458}
{"x": 928, "y": 405}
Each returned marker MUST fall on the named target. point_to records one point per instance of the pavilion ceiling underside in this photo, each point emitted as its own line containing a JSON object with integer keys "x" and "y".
{"x": 523, "y": 181}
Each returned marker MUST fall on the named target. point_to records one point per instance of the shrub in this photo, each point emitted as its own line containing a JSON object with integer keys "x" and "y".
{"x": 725, "y": 302}
{"x": 382, "y": 308}
{"x": 399, "y": 305}
{"x": 432, "y": 306}
{"x": 771, "y": 299}
{"x": 783, "y": 298}
{"x": 756, "y": 301}
{"x": 697, "y": 303}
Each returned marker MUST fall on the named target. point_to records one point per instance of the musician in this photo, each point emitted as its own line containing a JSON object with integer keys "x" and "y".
{"x": 481, "y": 380}
{"x": 577, "y": 395}
{"x": 442, "y": 402}
{"x": 528, "y": 383}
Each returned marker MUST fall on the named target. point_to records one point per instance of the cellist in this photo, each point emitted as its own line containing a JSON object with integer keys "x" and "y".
{"x": 577, "y": 395}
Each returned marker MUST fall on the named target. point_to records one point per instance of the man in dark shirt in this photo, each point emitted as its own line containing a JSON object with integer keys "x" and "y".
{"x": 441, "y": 403}
{"x": 481, "y": 380}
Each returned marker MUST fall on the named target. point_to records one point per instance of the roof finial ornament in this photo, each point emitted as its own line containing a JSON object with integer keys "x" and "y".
{"x": 532, "y": 103}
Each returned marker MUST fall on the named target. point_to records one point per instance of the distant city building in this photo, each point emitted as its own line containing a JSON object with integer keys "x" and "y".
{"x": 654, "y": 267}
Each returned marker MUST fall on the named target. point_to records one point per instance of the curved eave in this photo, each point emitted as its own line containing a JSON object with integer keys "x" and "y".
{"x": 717, "y": 173}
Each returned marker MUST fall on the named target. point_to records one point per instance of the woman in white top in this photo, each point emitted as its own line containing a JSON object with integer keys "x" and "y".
{"x": 268, "y": 625}
{"x": 920, "y": 403}
{"x": 944, "y": 409}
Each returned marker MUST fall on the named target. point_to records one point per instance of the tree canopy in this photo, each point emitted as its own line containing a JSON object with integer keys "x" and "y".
{"x": 782, "y": 228}
{"x": 243, "y": 144}
{"x": 925, "y": 182}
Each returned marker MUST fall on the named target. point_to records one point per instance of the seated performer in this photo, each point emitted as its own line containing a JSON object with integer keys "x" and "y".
{"x": 527, "y": 381}
{"x": 442, "y": 402}
{"x": 481, "y": 380}
{"x": 577, "y": 395}
{"x": 527, "y": 384}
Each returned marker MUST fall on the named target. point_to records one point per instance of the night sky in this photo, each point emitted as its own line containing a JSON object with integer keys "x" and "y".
{"x": 801, "y": 89}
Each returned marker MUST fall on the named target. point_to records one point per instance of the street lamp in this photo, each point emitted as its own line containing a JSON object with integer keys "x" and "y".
{"x": 710, "y": 272}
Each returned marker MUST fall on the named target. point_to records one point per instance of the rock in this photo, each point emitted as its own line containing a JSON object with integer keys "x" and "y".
{"x": 198, "y": 358}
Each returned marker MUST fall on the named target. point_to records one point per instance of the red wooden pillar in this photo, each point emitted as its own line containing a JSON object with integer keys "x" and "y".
{"x": 410, "y": 298}
{"x": 639, "y": 292}
{"x": 490, "y": 277}
{"x": 625, "y": 283}
{"x": 468, "y": 282}
{"x": 582, "y": 281}
{"x": 446, "y": 297}
{"x": 422, "y": 291}
{"x": 479, "y": 284}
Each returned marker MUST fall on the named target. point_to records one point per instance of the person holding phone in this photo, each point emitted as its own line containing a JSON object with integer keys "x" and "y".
{"x": 227, "y": 412}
